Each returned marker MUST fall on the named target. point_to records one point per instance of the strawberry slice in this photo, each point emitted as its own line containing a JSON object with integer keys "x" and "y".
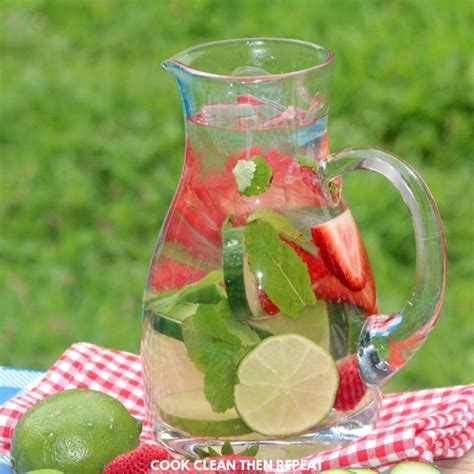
{"x": 316, "y": 267}
{"x": 342, "y": 250}
{"x": 248, "y": 99}
{"x": 179, "y": 230}
{"x": 203, "y": 218}
{"x": 327, "y": 287}
{"x": 351, "y": 389}
{"x": 267, "y": 304}
{"x": 137, "y": 461}
{"x": 168, "y": 274}
{"x": 330, "y": 289}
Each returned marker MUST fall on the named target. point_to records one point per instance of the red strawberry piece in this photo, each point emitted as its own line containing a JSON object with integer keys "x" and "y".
{"x": 267, "y": 304}
{"x": 342, "y": 250}
{"x": 311, "y": 179}
{"x": 137, "y": 461}
{"x": 203, "y": 217}
{"x": 248, "y": 99}
{"x": 351, "y": 389}
{"x": 178, "y": 229}
{"x": 327, "y": 287}
{"x": 247, "y": 153}
{"x": 168, "y": 274}
{"x": 299, "y": 184}
{"x": 316, "y": 267}
{"x": 242, "y": 464}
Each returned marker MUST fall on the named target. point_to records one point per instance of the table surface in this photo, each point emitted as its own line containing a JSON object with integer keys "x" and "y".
{"x": 14, "y": 381}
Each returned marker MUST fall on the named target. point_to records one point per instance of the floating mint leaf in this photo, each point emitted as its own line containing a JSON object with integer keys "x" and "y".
{"x": 215, "y": 344}
{"x": 278, "y": 269}
{"x": 252, "y": 176}
{"x": 308, "y": 162}
{"x": 244, "y": 171}
{"x": 279, "y": 222}
{"x": 206, "y": 290}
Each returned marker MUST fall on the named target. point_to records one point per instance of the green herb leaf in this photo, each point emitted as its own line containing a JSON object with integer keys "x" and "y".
{"x": 308, "y": 162}
{"x": 213, "y": 452}
{"x": 216, "y": 343}
{"x": 252, "y": 176}
{"x": 206, "y": 290}
{"x": 280, "y": 223}
{"x": 250, "y": 451}
{"x": 202, "y": 453}
{"x": 278, "y": 269}
{"x": 227, "y": 448}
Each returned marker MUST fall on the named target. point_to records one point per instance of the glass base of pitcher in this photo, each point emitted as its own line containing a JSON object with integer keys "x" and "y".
{"x": 340, "y": 429}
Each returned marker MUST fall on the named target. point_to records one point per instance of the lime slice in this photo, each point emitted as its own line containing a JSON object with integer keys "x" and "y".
{"x": 191, "y": 412}
{"x": 287, "y": 384}
{"x": 312, "y": 323}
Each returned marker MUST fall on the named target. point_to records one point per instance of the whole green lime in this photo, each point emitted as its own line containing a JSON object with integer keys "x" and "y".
{"x": 75, "y": 431}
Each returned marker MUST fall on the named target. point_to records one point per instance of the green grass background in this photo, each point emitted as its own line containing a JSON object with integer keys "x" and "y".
{"x": 91, "y": 137}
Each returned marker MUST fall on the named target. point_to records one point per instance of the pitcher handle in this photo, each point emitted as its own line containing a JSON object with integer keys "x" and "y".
{"x": 387, "y": 342}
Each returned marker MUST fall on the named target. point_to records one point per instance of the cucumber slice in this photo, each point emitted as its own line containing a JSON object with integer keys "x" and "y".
{"x": 413, "y": 467}
{"x": 170, "y": 325}
{"x": 192, "y": 413}
{"x": 312, "y": 323}
{"x": 240, "y": 283}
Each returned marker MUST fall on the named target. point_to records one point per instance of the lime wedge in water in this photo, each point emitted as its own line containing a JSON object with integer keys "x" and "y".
{"x": 287, "y": 384}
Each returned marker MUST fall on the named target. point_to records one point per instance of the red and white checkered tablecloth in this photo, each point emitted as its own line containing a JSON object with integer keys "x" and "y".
{"x": 424, "y": 425}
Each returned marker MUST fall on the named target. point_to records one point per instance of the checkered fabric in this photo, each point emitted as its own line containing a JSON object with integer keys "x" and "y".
{"x": 422, "y": 425}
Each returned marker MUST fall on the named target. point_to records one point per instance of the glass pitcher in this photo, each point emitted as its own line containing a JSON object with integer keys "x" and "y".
{"x": 260, "y": 317}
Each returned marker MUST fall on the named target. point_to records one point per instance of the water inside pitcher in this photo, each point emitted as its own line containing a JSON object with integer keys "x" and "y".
{"x": 260, "y": 287}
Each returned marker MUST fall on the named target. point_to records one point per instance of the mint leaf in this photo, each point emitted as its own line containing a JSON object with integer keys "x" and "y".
{"x": 280, "y": 223}
{"x": 252, "y": 176}
{"x": 251, "y": 451}
{"x": 278, "y": 269}
{"x": 244, "y": 172}
{"x": 227, "y": 448}
{"x": 220, "y": 378}
{"x": 206, "y": 290}
{"x": 215, "y": 343}
{"x": 308, "y": 162}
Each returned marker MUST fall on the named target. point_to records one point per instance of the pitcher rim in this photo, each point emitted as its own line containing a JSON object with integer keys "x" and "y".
{"x": 259, "y": 78}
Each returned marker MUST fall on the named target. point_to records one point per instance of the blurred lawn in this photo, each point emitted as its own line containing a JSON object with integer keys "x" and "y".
{"x": 92, "y": 140}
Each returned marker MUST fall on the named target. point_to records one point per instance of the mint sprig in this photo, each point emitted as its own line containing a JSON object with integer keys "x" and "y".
{"x": 206, "y": 290}
{"x": 215, "y": 344}
{"x": 278, "y": 269}
{"x": 252, "y": 176}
